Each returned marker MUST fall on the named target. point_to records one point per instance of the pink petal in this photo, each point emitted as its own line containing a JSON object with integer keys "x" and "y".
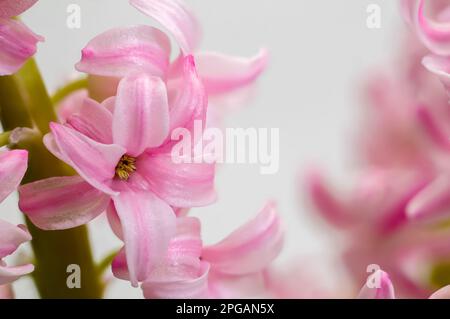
{"x": 141, "y": 114}
{"x": 434, "y": 130}
{"x": 327, "y": 204}
{"x": 385, "y": 291}
{"x": 223, "y": 74}
{"x": 183, "y": 255}
{"x": 433, "y": 201}
{"x": 114, "y": 221}
{"x": 179, "y": 184}
{"x": 119, "y": 266}
{"x": 440, "y": 66}
{"x": 122, "y": 51}
{"x": 13, "y": 165}
{"x": 190, "y": 101}
{"x": 71, "y": 104}
{"x": 196, "y": 288}
{"x": 17, "y": 45}
{"x": 12, "y": 237}
{"x": 94, "y": 161}
{"x": 61, "y": 202}
{"x": 94, "y": 121}
{"x": 12, "y": 8}
{"x": 185, "y": 249}
{"x": 250, "y": 248}
{"x": 443, "y": 293}
{"x": 176, "y": 18}
{"x": 148, "y": 224}
{"x": 10, "y": 274}
{"x": 435, "y": 34}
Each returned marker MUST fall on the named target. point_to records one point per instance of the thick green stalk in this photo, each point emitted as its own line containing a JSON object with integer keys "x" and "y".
{"x": 24, "y": 102}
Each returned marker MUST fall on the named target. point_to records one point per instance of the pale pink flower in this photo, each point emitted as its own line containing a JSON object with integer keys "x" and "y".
{"x": 375, "y": 229}
{"x": 121, "y": 150}
{"x": 17, "y": 41}
{"x": 119, "y": 52}
{"x": 13, "y": 165}
{"x": 232, "y": 268}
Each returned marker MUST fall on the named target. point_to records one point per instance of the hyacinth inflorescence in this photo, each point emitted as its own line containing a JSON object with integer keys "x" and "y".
{"x": 110, "y": 147}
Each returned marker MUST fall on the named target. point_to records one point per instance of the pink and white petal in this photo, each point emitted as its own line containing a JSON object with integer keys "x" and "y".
{"x": 6, "y": 292}
{"x": 333, "y": 209}
{"x": 189, "y": 101}
{"x": 52, "y": 147}
{"x": 122, "y": 51}
{"x": 12, "y": 8}
{"x": 167, "y": 288}
{"x": 443, "y": 293}
{"x": 250, "y": 248}
{"x": 13, "y": 165}
{"x": 10, "y": 274}
{"x": 432, "y": 202}
{"x": 94, "y": 121}
{"x": 384, "y": 291}
{"x": 148, "y": 225}
{"x": 17, "y": 45}
{"x": 185, "y": 249}
{"x": 440, "y": 66}
{"x": 95, "y": 162}
{"x": 223, "y": 74}
{"x": 71, "y": 104}
{"x": 61, "y": 202}
{"x": 176, "y": 17}
{"x": 179, "y": 184}
{"x": 12, "y": 237}
{"x": 141, "y": 114}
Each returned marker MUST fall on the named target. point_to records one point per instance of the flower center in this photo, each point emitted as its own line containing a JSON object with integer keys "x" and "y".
{"x": 125, "y": 167}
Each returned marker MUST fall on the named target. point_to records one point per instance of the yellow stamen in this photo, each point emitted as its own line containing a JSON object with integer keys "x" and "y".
{"x": 125, "y": 167}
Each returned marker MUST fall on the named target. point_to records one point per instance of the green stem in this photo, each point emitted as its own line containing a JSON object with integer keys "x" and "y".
{"x": 4, "y": 138}
{"x": 24, "y": 101}
{"x": 68, "y": 89}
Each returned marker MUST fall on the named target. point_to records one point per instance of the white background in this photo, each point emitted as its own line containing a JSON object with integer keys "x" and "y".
{"x": 320, "y": 52}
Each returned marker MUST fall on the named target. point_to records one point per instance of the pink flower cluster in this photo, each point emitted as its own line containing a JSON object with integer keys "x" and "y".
{"x": 395, "y": 215}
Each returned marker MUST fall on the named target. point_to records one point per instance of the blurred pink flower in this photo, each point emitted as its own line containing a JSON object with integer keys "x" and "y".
{"x": 386, "y": 288}
{"x": 13, "y": 165}
{"x": 121, "y": 150}
{"x": 233, "y": 267}
{"x": 17, "y": 41}
{"x": 372, "y": 219}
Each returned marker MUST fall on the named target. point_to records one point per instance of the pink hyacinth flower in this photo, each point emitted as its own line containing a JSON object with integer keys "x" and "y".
{"x": 13, "y": 165}
{"x": 233, "y": 267}
{"x": 373, "y": 220}
{"x": 17, "y": 41}
{"x": 121, "y": 150}
{"x": 119, "y": 52}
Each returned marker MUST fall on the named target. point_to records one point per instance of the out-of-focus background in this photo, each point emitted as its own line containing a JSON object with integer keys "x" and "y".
{"x": 320, "y": 51}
